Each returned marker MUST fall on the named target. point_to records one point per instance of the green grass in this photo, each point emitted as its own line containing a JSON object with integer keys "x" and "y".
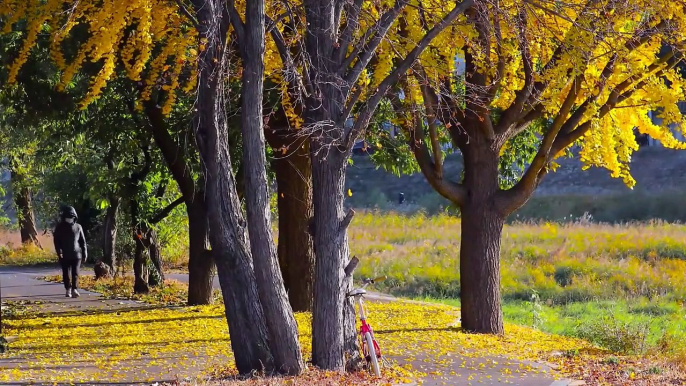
{"x": 621, "y": 286}
{"x": 639, "y": 326}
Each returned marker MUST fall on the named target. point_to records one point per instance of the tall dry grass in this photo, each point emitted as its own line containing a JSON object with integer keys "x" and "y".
{"x": 562, "y": 262}
{"x": 12, "y": 252}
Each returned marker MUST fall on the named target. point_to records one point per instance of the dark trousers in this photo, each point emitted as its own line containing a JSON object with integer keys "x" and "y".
{"x": 73, "y": 266}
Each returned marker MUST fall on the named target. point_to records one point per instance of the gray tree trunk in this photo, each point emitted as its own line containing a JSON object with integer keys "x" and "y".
{"x": 228, "y": 236}
{"x": 283, "y": 331}
{"x": 331, "y": 326}
{"x": 331, "y": 251}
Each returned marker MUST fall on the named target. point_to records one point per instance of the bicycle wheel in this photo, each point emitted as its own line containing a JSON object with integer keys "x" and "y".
{"x": 372, "y": 354}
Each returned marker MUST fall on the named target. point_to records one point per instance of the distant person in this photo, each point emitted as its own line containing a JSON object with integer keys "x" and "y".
{"x": 401, "y": 198}
{"x": 70, "y": 245}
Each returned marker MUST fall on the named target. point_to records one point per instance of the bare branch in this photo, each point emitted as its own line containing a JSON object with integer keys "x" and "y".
{"x": 350, "y": 268}
{"x": 392, "y": 78}
{"x": 352, "y": 11}
{"x": 346, "y": 220}
{"x": 379, "y": 30}
{"x": 184, "y": 10}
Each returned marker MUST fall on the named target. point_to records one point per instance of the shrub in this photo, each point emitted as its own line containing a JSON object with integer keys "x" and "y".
{"x": 616, "y": 335}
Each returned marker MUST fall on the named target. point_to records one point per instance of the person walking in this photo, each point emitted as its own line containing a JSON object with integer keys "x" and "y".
{"x": 70, "y": 245}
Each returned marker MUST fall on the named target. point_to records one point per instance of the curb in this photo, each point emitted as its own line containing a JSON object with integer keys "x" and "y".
{"x": 568, "y": 382}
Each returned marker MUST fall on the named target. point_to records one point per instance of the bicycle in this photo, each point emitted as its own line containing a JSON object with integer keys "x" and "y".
{"x": 366, "y": 332}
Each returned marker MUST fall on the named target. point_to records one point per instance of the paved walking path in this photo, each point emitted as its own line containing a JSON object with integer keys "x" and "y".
{"x": 22, "y": 284}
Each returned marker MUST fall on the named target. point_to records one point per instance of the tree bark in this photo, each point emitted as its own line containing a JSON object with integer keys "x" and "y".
{"x": 110, "y": 233}
{"x": 331, "y": 249}
{"x": 331, "y": 326}
{"x": 27, "y": 221}
{"x": 230, "y": 246}
{"x": 140, "y": 270}
{"x": 283, "y": 331}
{"x": 155, "y": 253}
{"x": 294, "y": 200}
{"x": 482, "y": 227}
{"x": 23, "y": 201}
{"x": 200, "y": 263}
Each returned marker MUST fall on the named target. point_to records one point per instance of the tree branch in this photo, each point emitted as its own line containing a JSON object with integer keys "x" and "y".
{"x": 431, "y": 100}
{"x": 346, "y": 220}
{"x": 619, "y": 95}
{"x": 352, "y": 11}
{"x": 414, "y": 129}
{"x": 518, "y": 194}
{"x": 500, "y": 71}
{"x": 186, "y": 12}
{"x": 238, "y": 25}
{"x": 508, "y": 117}
{"x": 168, "y": 209}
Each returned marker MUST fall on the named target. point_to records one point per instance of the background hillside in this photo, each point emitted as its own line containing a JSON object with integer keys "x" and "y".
{"x": 569, "y": 192}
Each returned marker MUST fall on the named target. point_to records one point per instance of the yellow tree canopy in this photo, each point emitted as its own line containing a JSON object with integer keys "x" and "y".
{"x": 149, "y": 38}
{"x": 593, "y": 69}
{"x": 154, "y": 41}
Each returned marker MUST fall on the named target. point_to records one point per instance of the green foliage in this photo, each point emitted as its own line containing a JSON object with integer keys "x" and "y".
{"x": 387, "y": 151}
{"x": 517, "y": 154}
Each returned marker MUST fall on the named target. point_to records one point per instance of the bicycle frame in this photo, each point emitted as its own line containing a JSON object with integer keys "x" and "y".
{"x": 366, "y": 328}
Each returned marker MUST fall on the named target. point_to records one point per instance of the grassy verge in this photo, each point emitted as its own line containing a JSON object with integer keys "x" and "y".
{"x": 26, "y": 255}
{"x": 636, "y": 327}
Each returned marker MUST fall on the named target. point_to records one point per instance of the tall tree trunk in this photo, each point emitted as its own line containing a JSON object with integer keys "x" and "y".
{"x": 200, "y": 263}
{"x": 283, "y": 331}
{"x": 109, "y": 237}
{"x": 23, "y": 201}
{"x": 230, "y": 246}
{"x": 294, "y": 200}
{"x": 482, "y": 227}
{"x": 331, "y": 326}
{"x": 140, "y": 269}
{"x": 331, "y": 250}
{"x": 155, "y": 253}
{"x": 27, "y": 221}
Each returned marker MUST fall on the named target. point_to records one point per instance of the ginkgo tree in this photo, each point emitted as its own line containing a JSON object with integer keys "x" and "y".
{"x": 558, "y": 78}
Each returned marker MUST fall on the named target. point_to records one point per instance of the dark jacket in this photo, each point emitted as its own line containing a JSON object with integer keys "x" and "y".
{"x": 70, "y": 243}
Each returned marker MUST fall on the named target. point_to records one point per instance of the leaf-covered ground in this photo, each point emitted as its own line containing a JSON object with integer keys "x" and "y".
{"x": 193, "y": 342}
{"x": 426, "y": 336}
